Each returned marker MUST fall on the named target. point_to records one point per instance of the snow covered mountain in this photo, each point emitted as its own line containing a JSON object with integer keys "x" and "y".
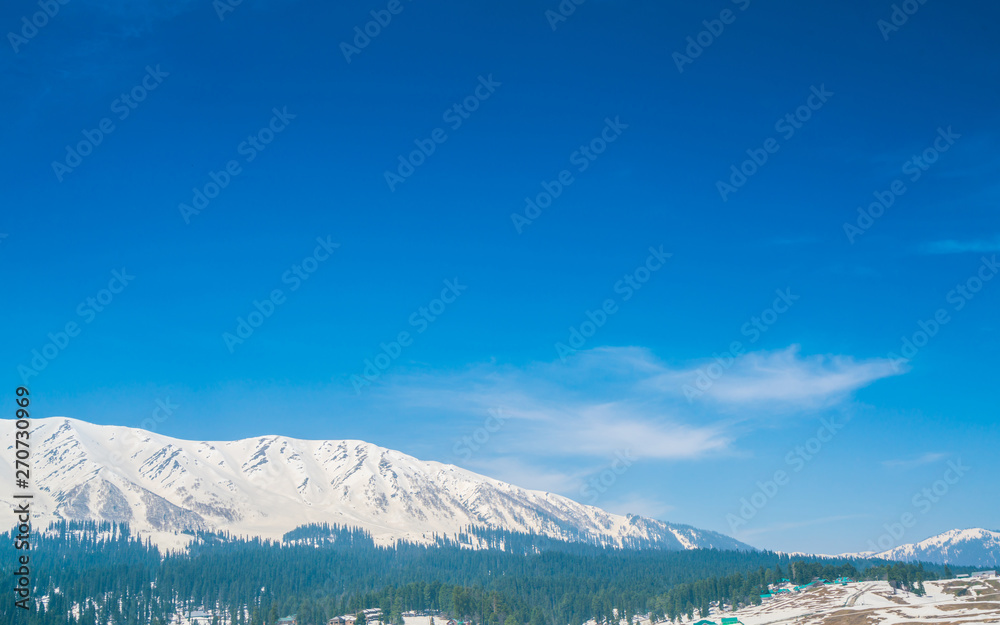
{"x": 970, "y": 547}
{"x": 269, "y": 485}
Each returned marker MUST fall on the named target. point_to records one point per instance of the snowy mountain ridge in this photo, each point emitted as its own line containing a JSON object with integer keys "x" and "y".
{"x": 269, "y": 485}
{"x": 972, "y": 547}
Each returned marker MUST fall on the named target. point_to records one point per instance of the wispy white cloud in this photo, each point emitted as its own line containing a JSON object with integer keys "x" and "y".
{"x": 611, "y": 399}
{"x": 784, "y": 379}
{"x": 563, "y": 424}
{"x": 587, "y": 407}
{"x": 911, "y": 463}
{"x": 951, "y": 246}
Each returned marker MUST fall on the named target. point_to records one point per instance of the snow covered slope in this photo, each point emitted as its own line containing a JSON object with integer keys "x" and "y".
{"x": 269, "y": 485}
{"x": 972, "y": 547}
{"x": 946, "y": 602}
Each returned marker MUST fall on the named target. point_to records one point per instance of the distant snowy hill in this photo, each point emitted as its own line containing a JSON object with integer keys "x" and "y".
{"x": 269, "y": 485}
{"x": 969, "y": 547}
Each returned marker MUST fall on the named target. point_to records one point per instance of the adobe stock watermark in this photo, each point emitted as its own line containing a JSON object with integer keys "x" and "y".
{"x": 582, "y": 158}
{"x": 958, "y": 297}
{"x": 705, "y": 38}
{"x": 787, "y": 125}
{"x": 706, "y": 377}
{"x": 796, "y": 459}
{"x": 913, "y": 169}
{"x": 454, "y": 116}
{"x": 30, "y": 27}
{"x": 225, "y": 7}
{"x": 122, "y": 106}
{"x": 899, "y": 16}
{"x": 563, "y": 10}
{"x": 626, "y": 287}
{"x": 294, "y": 277}
{"x": 164, "y": 409}
{"x": 473, "y": 442}
{"x": 603, "y": 481}
{"x": 266, "y": 473}
{"x": 421, "y": 319}
{"x": 249, "y": 149}
{"x": 923, "y": 502}
{"x": 87, "y": 310}
{"x": 363, "y": 35}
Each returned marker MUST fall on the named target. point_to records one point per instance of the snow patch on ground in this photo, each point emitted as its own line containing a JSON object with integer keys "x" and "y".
{"x": 875, "y": 603}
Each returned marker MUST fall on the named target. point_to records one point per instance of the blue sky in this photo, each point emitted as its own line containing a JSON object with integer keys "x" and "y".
{"x": 698, "y": 203}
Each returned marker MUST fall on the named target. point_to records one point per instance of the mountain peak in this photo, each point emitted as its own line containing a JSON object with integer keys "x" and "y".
{"x": 268, "y": 485}
{"x": 973, "y": 546}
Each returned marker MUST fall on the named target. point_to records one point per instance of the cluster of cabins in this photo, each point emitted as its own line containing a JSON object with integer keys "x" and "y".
{"x": 784, "y": 585}
{"x": 979, "y": 575}
{"x": 371, "y": 615}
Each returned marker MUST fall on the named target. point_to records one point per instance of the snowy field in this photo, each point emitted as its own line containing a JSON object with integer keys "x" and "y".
{"x": 947, "y": 602}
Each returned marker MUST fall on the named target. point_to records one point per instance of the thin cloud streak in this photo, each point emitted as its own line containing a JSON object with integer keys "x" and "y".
{"x": 951, "y": 246}
{"x": 785, "y": 377}
{"x": 927, "y": 458}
